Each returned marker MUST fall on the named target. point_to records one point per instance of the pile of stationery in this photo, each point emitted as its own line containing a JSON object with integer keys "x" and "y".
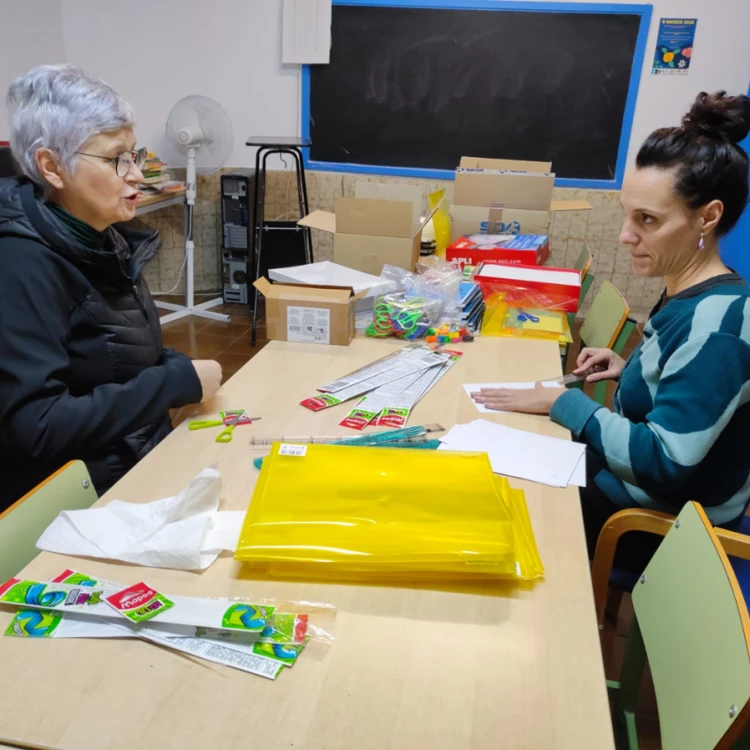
{"x": 257, "y": 638}
{"x": 381, "y": 514}
{"x": 156, "y": 178}
{"x": 471, "y": 305}
{"x": 389, "y": 388}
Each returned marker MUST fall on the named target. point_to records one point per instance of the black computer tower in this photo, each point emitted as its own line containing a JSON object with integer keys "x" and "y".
{"x": 236, "y": 225}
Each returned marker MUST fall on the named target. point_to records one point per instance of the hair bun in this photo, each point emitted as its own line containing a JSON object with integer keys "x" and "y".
{"x": 719, "y": 116}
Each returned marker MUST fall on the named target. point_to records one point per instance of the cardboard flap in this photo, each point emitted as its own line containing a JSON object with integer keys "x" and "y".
{"x": 577, "y": 205}
{"x": 381, "y": 191}
{"x": 374, "y": 218}
{"x": 427, "y": 218}
{"x": 477, "y": 162}
{"x": 529, "y": 191}
{"x": 324, "y": 220}
{"x": 359, "y": 295}
{"x": 304, "y": 292}
{"x": 264, "y": 286}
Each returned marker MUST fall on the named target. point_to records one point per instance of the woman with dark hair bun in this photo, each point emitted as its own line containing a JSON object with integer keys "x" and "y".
{"x": 680, "y": 428}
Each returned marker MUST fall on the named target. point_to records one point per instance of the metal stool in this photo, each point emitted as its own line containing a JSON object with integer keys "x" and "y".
{"x": 266, "y": 147}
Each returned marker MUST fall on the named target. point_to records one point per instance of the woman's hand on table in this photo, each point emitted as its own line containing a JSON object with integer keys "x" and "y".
{"x": 611, "y": 365}
{"x": 536, "y": 400}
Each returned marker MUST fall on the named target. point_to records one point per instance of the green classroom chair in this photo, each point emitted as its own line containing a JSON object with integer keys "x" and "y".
{"x": 582, "y": 265}
{"x": 69, "y": 488}
{"x": 585, "y": 259}
{"x": 606, "y": 326}
{"x": 691, "y": 624}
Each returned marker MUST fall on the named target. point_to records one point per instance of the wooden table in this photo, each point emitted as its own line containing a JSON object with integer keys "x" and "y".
{"x": 411, "y": 668}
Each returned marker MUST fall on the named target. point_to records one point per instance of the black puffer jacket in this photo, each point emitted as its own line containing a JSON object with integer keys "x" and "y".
{"x": 83, "y": 373}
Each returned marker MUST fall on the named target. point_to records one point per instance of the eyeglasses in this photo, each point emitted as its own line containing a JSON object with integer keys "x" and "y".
{"x": 124, "y": 161}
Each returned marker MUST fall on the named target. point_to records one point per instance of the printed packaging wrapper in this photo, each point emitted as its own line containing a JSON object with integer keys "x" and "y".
{"x": 292, "y": 627}
{"x": 265, "y": 621}
{"x": 332, "y": 510}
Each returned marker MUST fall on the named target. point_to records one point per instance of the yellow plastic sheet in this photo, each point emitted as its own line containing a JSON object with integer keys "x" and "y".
{"x": 361, "y": 512}
{"x": 501, "y": 319}
{"x": 441, "y": 222}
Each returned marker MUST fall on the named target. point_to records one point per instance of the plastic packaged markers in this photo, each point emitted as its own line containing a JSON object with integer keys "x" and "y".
{"x": 276, "y": 647}
{"x": 138, "y": 603}
{"x": 255, "y": 658}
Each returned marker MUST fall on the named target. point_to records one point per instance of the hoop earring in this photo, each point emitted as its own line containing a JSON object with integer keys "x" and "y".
{"x": 701, "y": 242}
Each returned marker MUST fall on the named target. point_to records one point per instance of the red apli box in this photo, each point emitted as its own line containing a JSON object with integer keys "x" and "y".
{"x": 542, "y": 288}
{"x": 513, "y": 249}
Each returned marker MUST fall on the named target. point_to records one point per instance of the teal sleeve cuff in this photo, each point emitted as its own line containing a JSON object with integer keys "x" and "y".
{"x": 573, "y": 410}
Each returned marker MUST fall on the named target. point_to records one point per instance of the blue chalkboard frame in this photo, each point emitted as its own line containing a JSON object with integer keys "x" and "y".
{"x": 644, "y": 11}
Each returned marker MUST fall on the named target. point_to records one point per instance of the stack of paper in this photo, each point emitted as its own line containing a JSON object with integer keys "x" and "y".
{"x": 521, "y": 454}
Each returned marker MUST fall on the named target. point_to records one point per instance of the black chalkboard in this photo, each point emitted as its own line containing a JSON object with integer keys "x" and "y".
{"x": 420, "y": 88}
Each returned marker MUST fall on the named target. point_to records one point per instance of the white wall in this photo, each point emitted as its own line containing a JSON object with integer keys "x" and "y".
{"x": 30, "y": 34}
{"x": 230, "y": 50}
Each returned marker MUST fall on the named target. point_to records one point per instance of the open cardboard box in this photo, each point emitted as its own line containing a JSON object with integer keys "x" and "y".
{"x": 522, "y": 188}
{"x": 380, "y": 225}
{"x": 309, "y": 314}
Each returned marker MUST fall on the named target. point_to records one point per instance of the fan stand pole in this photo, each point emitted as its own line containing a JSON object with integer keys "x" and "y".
{"x": 190, "y": 308}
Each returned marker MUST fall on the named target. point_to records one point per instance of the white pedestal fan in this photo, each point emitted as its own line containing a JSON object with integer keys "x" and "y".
{"x": 200, "y": 136}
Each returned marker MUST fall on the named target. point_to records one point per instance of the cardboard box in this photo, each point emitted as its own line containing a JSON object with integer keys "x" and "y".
{"x": 513, "y": 249}
{"x": 543, "y": 288}
{"x": 380, "y": 225}
{"x": 522, "y": 188}
{"x": 309, "y": 314}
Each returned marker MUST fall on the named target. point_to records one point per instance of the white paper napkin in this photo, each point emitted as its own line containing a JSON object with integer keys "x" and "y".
{"x": 184, "y": 532}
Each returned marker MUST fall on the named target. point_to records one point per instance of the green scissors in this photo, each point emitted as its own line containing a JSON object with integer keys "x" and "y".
{"x": 225, "y": 436}
{"x": 382, "y": 322}
{"x": 406, "y": 321}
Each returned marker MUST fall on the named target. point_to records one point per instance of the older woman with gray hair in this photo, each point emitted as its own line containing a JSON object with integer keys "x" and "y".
{"x": 83, "y": 373}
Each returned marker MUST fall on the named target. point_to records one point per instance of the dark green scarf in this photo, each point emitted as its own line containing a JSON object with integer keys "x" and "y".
{"x": 83, "y": 233}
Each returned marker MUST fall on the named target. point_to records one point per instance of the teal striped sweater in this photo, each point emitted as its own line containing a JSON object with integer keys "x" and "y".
{"x": 680, "y": 429}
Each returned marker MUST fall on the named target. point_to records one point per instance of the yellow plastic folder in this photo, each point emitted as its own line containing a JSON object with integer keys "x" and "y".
{"x": 323, "y": 511}
{"x": 501, "y": 319}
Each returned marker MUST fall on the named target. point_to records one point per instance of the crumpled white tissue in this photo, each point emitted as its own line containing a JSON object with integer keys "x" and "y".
{"x": 184, "y": 532}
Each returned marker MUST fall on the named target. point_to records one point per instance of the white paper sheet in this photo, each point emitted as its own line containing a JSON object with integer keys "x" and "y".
{"x": 475, "y": 387}
{"x": 306, "y": 35}
{"x": 521, "y": 454}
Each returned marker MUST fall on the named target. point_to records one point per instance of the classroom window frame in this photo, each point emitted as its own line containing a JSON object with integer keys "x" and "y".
{"x": 643, "y": 10}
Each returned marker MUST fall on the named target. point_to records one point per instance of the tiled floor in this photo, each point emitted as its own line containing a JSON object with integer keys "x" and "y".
{"x": 229, "y": 344}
